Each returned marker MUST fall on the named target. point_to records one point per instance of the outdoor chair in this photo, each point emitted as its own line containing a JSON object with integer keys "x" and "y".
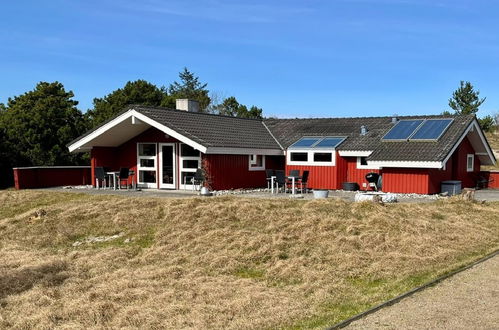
{"x": 100, "y": 175}
{"x": 123, "y": 176}
{"x": 269, "y": 174}
{"x": 280, "y": 180}
{"x": 295, "y": 173}
{"x": 198, "y": 178}
{"x": 303, "y": 181}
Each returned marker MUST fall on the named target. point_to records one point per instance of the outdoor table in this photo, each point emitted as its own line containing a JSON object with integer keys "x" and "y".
{"x": 116, "y": 174}
{"x": 293, "y": 178}
{"x": 113, "y": 174}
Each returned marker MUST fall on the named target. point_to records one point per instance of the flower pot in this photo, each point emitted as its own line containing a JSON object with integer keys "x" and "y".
{"x": 320, "y": 193}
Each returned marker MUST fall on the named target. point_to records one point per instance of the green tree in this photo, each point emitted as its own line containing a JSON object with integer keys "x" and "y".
{"x": 39, "y": 124}
{"x": 134, "y": 92}
{"x": 465, "y": 100}
{"x": 189, "y": 87}
{"x": 231, "y": 107}
{"x": 487, "y": 123}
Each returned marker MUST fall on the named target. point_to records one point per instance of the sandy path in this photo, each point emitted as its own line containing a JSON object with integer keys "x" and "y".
{"x": 468, "y": 300}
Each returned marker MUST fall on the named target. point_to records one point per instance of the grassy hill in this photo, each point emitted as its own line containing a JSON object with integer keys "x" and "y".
{"x": 221, "y": 262}
{"x": 493, "y": 139}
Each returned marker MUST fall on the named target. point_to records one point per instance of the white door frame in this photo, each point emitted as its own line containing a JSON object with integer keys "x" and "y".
{"x": 174, "y": 157}
{"x": 152, "y": 169}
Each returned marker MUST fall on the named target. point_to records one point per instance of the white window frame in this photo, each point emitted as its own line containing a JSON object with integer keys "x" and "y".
{"x": 187, "y": 185}
{"x": 252, "y": 161}
{"x": 365, "y": 167}
{"x": 468, "y": 157}
{"x": 144, "y": 168}
{"x": 310, "y": 157}
{"x": 160, "y": 163}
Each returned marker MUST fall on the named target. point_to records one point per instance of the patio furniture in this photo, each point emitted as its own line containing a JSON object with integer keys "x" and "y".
{"x": 280, "y": 180}
{"x": 100, "y": 175}
{"x": 303, "y": 181}
{"x": 295, "y": 173}
{"x": 124, "y": 174}
{"x": 269, "y": 174}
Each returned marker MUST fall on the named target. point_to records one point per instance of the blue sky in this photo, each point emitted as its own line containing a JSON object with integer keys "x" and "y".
{"x": 292, "y": 58}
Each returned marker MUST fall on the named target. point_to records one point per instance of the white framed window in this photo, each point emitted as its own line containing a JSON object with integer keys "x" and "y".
{"x": 470, "y": 163}
{"x": 256, "y": 163}
{"x": 190, "y": 161}
{"x": 362, "y": 164}
{"x": 310, "y": 157}
{"x": 146, "y": 165}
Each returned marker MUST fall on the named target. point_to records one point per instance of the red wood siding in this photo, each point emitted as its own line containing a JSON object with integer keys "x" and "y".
{"x": 126, "y": 154}
{"x": 231, "y": 171}
{"x": 405, "y": 180}
{"x": 355, "y": 174}
{"x": 492, "y": 177}
{"x": 460, "y": 173}
{"x": 43, "y": 177}
{"x": 324, "y": 177}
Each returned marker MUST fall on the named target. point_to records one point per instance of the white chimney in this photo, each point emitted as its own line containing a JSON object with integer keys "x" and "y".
{"x": 187, "y": 105}
{"x": 394, "y": 119}
{"x": 363, "y": 130}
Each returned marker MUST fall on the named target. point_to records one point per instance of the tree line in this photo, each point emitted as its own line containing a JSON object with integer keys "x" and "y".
{"x": 37, "y": 126}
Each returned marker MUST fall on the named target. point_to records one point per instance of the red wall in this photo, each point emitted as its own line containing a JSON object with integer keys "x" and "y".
{"x": 492, "y": 177}
{"x": 357, "y": 175}
{"x": 126, "y": 154}
{"x": 227, "y": 171}
{"x": 231, "y": 171}
{"x": 405, "y": 180}
{"x": 43, "y": 177}
{"x": 324, "y": 177}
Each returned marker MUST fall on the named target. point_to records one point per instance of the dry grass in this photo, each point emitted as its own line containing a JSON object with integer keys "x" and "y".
{"x": 493, "y": 138}
{"x": 222, "y": 262}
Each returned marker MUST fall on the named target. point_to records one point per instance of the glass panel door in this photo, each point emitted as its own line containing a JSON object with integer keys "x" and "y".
{"x": 167, "y": 165}
{"x": 146, "y": 165}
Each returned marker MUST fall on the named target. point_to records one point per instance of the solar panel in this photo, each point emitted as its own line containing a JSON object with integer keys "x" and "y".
{"x": 329, "y": 142}
{"x": 318, "y": 142}
{"x": 432, "y": 129}
{"x": 403, "y": 129}
{"x": 305, "y": 142}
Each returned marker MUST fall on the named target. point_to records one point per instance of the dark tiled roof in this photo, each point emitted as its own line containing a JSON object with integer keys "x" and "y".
{"x": 213, "y": 130}
{"x": 231, "y": 132}
{"x": 288, "y": 131}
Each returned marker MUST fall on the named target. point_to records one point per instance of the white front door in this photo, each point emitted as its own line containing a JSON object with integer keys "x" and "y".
{"x": 167, "y": 165}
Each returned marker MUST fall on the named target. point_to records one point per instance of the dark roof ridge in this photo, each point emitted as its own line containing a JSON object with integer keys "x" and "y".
{"x": 377, "y": 117}
{"x": 133, "y": 106}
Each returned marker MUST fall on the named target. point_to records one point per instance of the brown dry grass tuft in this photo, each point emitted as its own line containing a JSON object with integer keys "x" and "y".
{"x": 222, "y": 262}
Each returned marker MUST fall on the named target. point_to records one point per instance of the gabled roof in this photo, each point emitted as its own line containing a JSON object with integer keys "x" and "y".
{"x": 212, "y": 130}
{"x": 288, "y": 131}
{"x": 206, "y": 132}
{"x": 231, "y": 135}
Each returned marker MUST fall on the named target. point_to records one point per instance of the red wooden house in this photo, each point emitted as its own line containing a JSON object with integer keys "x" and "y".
{"x": 412, "y": 154}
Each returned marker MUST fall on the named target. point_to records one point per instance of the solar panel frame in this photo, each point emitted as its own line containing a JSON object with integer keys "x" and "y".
{"x": 295, "y": 146}
{"x": 339, "y": 138}
{"x": 398, "y": 125}
{"x": 434, "y": 137}
{"x": 319, "y": 140}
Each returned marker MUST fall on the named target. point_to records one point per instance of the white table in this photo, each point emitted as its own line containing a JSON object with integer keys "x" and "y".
{"x": 293, "y": 178}
{"x": 272, "y": 179}
{"x": 113, "y": 174}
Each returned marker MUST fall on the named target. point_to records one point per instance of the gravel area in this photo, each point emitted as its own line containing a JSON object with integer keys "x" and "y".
{"x": 468, "y": 300}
